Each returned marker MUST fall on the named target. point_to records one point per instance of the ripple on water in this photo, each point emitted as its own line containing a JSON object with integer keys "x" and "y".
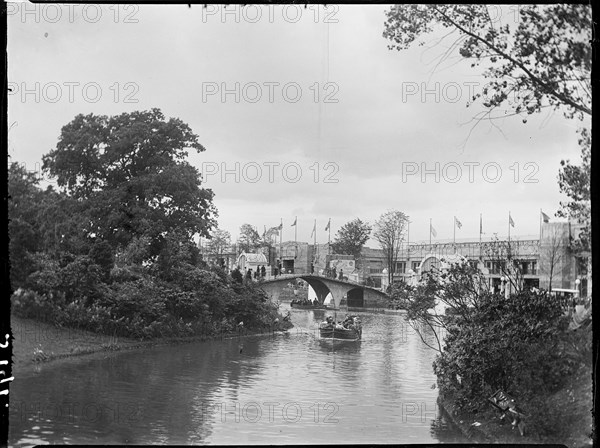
{"x": 283, "y": 388}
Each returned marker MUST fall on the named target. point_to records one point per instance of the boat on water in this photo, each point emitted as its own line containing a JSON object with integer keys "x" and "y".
{"x": 301, "y": 306}
{"x": 308, "y": 305}
{"x": 348, "y": 330}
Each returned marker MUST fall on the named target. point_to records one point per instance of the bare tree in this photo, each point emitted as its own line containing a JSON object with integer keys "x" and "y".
{"x": 551, "y": 252}
{"x": 505, "y": 261}
{"x": 389, "y": 232}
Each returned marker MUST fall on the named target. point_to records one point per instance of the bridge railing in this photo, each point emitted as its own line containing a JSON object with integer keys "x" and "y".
{"x": 293, "y": 276}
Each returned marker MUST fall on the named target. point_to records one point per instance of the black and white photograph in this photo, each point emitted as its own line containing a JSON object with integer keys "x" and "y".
{"x": 297, "y": 224}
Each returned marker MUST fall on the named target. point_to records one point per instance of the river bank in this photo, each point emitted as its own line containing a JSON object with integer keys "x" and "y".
{"x": 570, "y": 407}
{"x": 37, "y": 342}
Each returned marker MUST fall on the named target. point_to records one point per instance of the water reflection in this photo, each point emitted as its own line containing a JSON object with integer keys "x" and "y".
{"x": 281, "y": 388}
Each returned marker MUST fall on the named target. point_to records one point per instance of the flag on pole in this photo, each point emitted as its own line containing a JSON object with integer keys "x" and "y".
{"x": 458, "y": 223}
{"x": 545, "y": 217}
{"x": 510, "y": 220}
{"x": 328, "y": 224}
{"x": 314, "y": 229}
{"x": 279, "y": 227}
{"x": 294, "y": 222}
{"x": 433, "y": 232}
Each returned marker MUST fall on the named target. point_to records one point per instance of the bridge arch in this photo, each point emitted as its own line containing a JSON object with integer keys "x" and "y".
{"x": 356, "y": 298}
{"x": 324, "y": 286}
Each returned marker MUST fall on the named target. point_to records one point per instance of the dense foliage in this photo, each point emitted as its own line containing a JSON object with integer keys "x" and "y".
{"x": 519, "y": 343}
{"x": 575, "y": 182}
{"x": 113, "y": 251}
{"x": 351, "y": 238}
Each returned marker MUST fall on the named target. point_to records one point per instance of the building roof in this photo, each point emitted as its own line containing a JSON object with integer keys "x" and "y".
{"x": 253, "y": 258}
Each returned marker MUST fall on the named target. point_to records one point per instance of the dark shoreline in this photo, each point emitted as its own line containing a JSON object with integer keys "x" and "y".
{"x": 68, "y": 343}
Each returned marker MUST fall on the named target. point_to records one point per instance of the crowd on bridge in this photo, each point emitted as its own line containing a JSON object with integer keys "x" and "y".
{"x": 332, "y": 273}
{"x": 259, "y": 273}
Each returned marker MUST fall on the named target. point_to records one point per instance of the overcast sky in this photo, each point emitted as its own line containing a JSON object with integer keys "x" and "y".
{"x": 328, "y": 122}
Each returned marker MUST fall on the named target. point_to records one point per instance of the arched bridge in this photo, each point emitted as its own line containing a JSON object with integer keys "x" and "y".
{"x": 357, "y": 295}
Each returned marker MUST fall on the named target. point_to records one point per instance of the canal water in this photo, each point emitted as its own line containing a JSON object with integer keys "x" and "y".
{"x": 289, "y": 388}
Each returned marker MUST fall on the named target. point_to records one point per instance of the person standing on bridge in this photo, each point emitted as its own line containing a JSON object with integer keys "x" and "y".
{"x": 333, "y": 273}
{"x": 263, "y": 271}
{"x": 341, "y": 276}
{"x": 312, "y": 268}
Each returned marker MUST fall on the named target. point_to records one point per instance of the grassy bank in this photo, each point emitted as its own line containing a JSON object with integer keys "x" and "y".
{"x": 38, "y": 342}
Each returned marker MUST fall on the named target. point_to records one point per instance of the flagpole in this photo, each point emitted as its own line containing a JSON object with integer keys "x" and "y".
{"x": 315, "y": 236}
{"x": 540, "y": 225}
{"x": 454, "y": 236}
{"x": 408, "y": 240}
{"x": 480, "y": 229}
{"x": 329, "y": 237}
{"x": 280, "y": 241}
{"x": 509, "y": 226}
{"x": 430, "y": 233}
{"x": 296, "y": 231}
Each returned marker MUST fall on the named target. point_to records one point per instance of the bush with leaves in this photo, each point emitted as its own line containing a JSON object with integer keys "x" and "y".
{"x": 519, "y": 343}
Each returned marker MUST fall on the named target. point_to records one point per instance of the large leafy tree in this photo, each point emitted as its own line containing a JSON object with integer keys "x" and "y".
{"x": 41, "y": 221}
{"x": 249, "y": 239}
{"x": 389, "y": 232}
{"x": 131, "y": 171}
{"x": 544, "y": 60}
{"x": 574, "y": 181}
{"x": 23, "y": 231}
{"x": 351, "y": 238}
